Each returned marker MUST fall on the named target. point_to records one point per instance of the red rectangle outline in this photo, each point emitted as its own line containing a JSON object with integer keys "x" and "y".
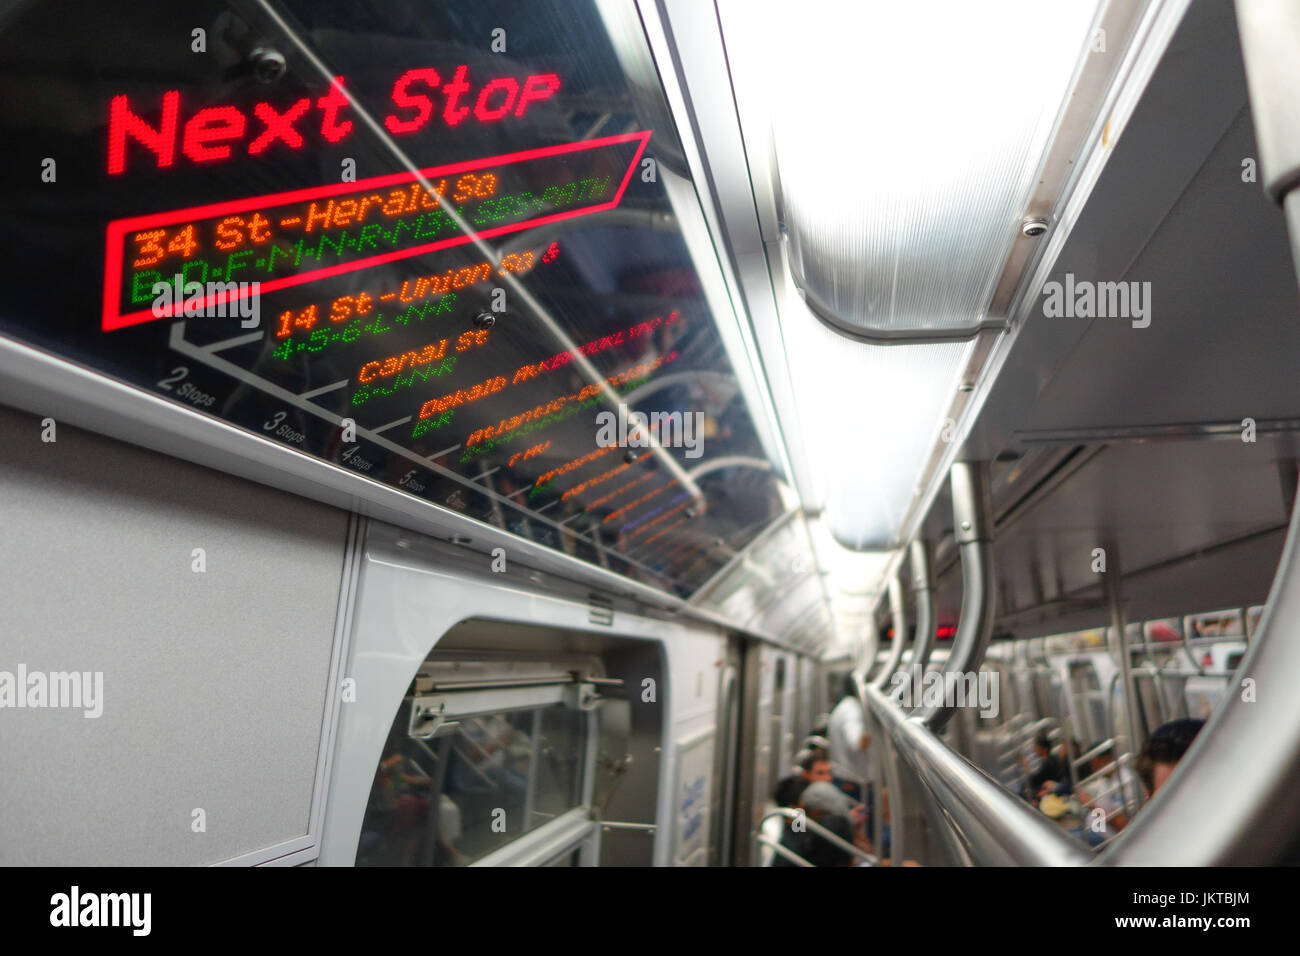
{"x": 113, "y": 320}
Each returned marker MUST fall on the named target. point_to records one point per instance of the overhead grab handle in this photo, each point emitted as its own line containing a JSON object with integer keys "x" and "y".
{"x": 973, "y": 530}
{"x": 898, "y": 644}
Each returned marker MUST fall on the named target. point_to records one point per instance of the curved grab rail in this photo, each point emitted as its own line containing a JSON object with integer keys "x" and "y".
{"x": 780, "y": 850}
{"x": 898, "y": 614}
{"x": 973, "y": 530}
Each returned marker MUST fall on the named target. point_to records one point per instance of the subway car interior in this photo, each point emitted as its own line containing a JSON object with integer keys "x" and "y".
{"x": 926, "y": 505}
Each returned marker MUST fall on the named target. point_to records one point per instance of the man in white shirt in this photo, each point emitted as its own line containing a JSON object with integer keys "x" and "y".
{"x": 852, "y": 763}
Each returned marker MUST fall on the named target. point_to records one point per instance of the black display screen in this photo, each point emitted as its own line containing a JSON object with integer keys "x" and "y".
{"x": 429, "y": 243}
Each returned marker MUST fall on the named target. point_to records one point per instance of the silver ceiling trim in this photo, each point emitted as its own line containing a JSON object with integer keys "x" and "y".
{"x": 1151, "y": 35}
{"x": 668, "y": 56}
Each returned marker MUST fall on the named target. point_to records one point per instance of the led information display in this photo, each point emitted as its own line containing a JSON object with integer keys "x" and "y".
{"x": 429, "y": 244}
{"x": 288, "y": 239}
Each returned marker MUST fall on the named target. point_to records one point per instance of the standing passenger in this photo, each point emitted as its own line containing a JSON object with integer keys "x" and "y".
{"x": 852, "y": 765}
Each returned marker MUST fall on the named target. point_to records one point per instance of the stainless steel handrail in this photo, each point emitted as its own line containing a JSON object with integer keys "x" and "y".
{"x": 995, "y": 827}
{"x": 1237, "y": 799}
{"x": 776, "y": 847}
{"x": 991, "y": 825}
{"x": 1028, "y": 732}
{"x": 1234, "y": 789}
{"x": 1096, "y": 751}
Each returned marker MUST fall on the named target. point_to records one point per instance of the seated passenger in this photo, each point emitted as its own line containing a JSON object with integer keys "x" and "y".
{"x": 1113, "y": 793}
{"x": 811, "y": 766}
{"x": 1065, "y": 755}
{"x": 1069, "y": 815}
{"x": 1164, "y": 748}
{"x": 825, "y": 804}
{"x": 1051, "y": 772}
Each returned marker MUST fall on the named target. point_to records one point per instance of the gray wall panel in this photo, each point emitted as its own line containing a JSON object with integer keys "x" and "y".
{"x": 214, "y": 683}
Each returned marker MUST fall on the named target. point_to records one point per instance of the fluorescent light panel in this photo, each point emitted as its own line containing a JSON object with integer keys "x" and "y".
{"x": 906, "y": 164}
{"x": 870, "y": 415}
{"x": 853, "y": 578}
{"x": 906, "y": 138}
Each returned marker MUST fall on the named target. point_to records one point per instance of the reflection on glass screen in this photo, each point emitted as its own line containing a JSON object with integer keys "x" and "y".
{"x": 429, "y": 243}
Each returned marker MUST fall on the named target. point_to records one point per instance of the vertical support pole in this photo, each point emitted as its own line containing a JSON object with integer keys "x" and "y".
{"x": 973, "y": 530}
{"x": 871, "y": 642}
{"x": 898, "y": 614}
{"x": 919, "y": 557}
{"x": 1167, "y": 710}
{"x": 893, "y": 786}
{"x": 1114, "y": 599}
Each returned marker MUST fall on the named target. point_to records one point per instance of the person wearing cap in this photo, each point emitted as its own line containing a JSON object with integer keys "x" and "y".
{"x": 827, "y": 805}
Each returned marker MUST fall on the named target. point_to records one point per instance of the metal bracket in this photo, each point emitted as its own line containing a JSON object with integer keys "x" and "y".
{"x": 583, "y": 696}
{"x": 428, "y": 719}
